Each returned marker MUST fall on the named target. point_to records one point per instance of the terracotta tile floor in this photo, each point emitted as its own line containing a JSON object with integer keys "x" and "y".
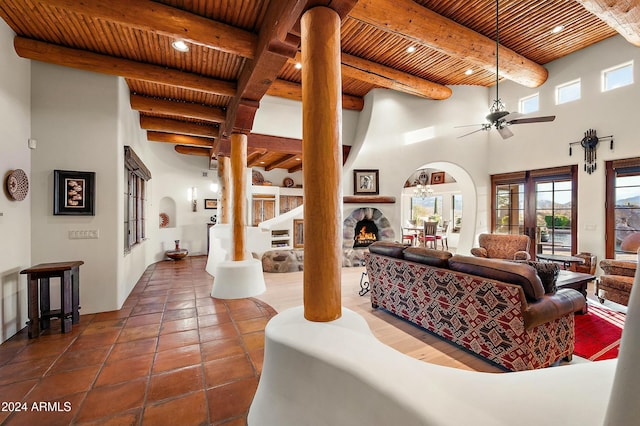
{"x": 171, "y": 356}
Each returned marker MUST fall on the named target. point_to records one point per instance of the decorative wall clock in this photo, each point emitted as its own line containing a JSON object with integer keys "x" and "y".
{"x": 18, "y": 185}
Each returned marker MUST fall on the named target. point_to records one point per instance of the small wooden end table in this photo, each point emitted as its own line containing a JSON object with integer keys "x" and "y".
{"x": 577, "y": 281}
{"x": 69, "y": 274}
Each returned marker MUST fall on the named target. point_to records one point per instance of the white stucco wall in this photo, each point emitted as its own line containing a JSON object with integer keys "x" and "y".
{"x": 15, "y": 216}
{"x": 547, "y": 145}
{"x": 405, "y": 133}
{"x": 73, "y": 119}
{"x": 132, "y": 264}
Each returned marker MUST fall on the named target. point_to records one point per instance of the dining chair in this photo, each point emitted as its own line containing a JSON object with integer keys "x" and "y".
{"x": 408, "y": 236}
{"x": 442, "y": 234}
{"x": 430, "y": 234}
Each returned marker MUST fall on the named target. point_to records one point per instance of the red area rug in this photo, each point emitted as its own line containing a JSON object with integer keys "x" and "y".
{"x": 598, "y": 333}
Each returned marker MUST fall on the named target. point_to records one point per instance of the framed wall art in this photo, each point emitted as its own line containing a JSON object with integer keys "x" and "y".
{"x": 437, "y": 177}
{"x": 73, "y": 193}
{"x": 365, "y": 182}
{"x": 210, "y": 203}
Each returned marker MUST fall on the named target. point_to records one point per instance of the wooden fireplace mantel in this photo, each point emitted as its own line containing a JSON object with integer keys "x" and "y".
{"x": 363, "y": 199}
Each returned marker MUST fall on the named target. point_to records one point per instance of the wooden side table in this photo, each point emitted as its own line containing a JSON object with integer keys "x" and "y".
{"x": 38, "y": 277}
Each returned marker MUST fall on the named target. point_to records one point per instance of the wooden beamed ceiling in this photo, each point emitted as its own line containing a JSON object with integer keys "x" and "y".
{"x": 242, "y": 50}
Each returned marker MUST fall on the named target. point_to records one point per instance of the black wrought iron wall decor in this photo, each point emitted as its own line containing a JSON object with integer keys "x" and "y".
{"x": 590, "y": 144}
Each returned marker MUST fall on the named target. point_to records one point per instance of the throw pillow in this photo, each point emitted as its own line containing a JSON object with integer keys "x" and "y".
{"x": 548, "y": 273}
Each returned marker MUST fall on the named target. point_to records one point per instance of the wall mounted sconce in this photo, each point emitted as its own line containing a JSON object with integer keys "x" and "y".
{"x": 194, "y": 199}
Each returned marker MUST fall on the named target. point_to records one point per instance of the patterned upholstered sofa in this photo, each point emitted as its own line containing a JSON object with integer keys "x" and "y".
{"x": 494, "y": 308}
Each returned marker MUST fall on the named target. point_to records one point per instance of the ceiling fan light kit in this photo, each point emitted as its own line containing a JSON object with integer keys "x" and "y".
{"x": 498, "y": 116}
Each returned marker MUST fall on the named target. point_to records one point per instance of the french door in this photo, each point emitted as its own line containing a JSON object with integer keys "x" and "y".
{"x": 539, "y": 203}
{"x": 622, "y": 208}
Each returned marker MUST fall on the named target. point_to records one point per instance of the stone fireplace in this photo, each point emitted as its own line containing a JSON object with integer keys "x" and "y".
{"x": 365, "y": 226}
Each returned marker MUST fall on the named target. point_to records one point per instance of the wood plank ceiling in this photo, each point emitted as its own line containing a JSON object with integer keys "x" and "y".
{"x": 243, "y": 49}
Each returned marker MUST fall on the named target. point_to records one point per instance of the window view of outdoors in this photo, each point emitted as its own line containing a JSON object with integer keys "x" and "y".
{"x": 427, "y": 208}
{"x": 509, "y": 209}
{"x": 553, "y": 217}
{"x": 457, "y": 212}
{"x": 627, "y": 216}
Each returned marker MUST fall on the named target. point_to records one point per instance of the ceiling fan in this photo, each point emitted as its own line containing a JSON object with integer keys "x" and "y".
{"x": 498, "y": 116}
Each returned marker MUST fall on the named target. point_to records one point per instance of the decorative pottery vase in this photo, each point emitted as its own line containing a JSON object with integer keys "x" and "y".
{"x": 177, "y": 253}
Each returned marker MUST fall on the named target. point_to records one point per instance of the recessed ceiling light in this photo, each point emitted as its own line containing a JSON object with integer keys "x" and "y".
{"x": 411, "y": 49}
{"x": 297, "y": 159}
{"x": 468, "y": 72}
{"x": 180, "y": 46}
{"x": 298, "y": 65}
{"x": 262, "y": 162}
{"x": 557, "y": 29}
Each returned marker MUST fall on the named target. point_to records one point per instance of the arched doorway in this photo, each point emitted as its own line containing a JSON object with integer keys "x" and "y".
{"x": 441, "y": 187}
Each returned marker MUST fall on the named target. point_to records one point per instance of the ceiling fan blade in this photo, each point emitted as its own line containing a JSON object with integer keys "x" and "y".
{"x": 505, "y": 132}
{"x": 532, "y": 120}
{"x": 469, "y": 125}
{"x": 475, "y": 131}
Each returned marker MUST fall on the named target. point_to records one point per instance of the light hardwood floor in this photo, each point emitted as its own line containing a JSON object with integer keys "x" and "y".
{"x": 284, "y": 290}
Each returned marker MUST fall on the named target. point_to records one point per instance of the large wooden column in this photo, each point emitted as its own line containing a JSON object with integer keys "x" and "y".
{"x": 322, "y": 171}
{"x": 238, "y": 195}
{"x": 224, "y": 176}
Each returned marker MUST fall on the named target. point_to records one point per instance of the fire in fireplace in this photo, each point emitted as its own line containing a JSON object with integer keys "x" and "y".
{"x": 366, "y": 233}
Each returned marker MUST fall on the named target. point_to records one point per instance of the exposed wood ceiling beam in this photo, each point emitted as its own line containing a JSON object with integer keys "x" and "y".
{"x": 176, "y": 126}
{"x": 280, "y": 162}
{"x": 179, "y": 139}
{"x": 255, "y": 156}
{"x": 624, "y": 17}
{"x": 192, "y": 150}
{"x": 290, "y": 90}
{"x": 258, "y": 73}
{"x": 184, "y": 109}
{"x": 384, "y": 76}
{"x": 88, "y": 61}
{"x": 295, "y": 168}
{"x": 256, "y": 141}
{"x": 166, "y": 20}
{"x": 275, "y": 45}
{"x": 410, "y": 20}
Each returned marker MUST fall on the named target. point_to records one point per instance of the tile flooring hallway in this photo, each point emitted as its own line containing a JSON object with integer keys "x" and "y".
{"x": 171, "y": 356}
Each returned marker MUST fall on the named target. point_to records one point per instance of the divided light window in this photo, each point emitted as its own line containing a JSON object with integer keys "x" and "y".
{"x": 426, "y": 209}
{"x": 618, "y": 76}
{"x": 623, "y": 208}
{"x": 136, "y": 175}
{"x": 539, "y": 203}
{"x": 530, "y": 104}
{"x": 568, "y": 92}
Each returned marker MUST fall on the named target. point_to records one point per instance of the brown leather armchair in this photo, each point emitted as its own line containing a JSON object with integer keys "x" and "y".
{"x": 503, "y": 246}
{"x": 616, "y": 282}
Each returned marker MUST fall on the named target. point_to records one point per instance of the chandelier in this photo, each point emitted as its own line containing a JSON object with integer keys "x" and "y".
{"x": 423, "y": 191}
